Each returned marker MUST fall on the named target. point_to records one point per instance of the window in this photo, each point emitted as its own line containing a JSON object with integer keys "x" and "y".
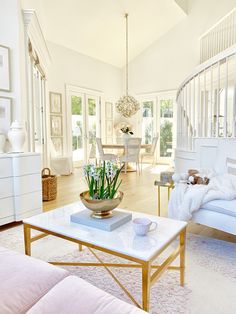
{"x": 92, "y": 119}
{"x": 147, "y": 122}
{"x": 166, "y": 126}
{"x": 157, "y": 116}
{"x": 77, "y": 127}
{"x": 83, "y": 117}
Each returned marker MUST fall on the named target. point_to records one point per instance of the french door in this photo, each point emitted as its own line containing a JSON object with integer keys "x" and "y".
{"x": 38, "y": 122}
{"x": 148, "y": 120}
{"x": 84, "y": 121}
{"x": 35, "y": 111}
{"x": 157, "y": 118}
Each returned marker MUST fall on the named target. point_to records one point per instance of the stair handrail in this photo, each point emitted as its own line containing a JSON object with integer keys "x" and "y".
{"x": 207, "y": 64}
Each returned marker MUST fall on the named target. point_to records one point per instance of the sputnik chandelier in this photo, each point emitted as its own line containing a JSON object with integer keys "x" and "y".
{"x": 127, "y": 105}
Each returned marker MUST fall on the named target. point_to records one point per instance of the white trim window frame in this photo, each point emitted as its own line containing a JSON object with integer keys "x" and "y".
{"x": 156, "y": 98}
{"x": 145, "y": 99}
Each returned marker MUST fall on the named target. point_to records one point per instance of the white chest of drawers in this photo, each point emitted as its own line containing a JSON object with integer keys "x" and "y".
{"x": 20, "y": 186}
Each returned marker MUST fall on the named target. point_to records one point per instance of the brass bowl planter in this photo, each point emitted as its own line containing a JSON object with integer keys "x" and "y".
{"x": 101, "y": 208}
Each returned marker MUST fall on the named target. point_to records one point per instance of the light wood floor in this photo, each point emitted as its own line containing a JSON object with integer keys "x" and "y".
{"x": 139, "y": 195}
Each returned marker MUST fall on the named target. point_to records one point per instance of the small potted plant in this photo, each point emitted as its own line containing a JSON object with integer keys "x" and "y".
{"x": 126, "y": 130}
{"x": 103, "y": 193}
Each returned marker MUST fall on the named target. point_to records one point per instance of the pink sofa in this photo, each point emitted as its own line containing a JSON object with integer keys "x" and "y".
{"x": 28, "y": 285}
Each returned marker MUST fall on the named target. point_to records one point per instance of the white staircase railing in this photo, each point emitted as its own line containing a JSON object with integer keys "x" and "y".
{"x": 206, "y": 101}
{"x": 219, "y": 37}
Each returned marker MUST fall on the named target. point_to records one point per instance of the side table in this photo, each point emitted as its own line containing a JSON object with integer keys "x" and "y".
{"x": 160, "y": 184}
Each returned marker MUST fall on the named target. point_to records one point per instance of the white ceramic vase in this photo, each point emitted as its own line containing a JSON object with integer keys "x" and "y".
{"x": 126, "y": 136}
{"x": 16, "y": 137}
{"x": 2, "y": 142}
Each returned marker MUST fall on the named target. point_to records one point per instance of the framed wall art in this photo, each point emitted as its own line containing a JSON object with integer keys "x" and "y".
{"x": 56, "y": 125}
{"x": 108, "y": 110}
{"x": 58, "y": 144}
{"x": 55, "y": 103}
{"x": 109, "y": 128}
{"x": 5, "y": 114}
{"x": 5, "y": 84}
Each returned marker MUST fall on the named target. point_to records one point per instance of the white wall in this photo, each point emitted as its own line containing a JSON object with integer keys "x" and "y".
{"x": 163, "y": 66}
{"x": 70, "y": 67}
{"x": 209, "y": 153}
{"x": 183, "y": 4}
{"x": 166, "y": 63}
{"x": 12, "y": 36}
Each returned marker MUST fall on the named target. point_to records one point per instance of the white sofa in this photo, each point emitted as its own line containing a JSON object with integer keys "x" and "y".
{"x": 31, "y": 286}
{"x": 218, "y": 214}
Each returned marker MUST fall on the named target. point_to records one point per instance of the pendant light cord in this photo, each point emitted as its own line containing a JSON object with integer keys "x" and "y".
{"x": 127, "y": 87}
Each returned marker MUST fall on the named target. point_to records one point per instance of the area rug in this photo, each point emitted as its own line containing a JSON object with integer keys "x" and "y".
{"x": 210, "y": 273}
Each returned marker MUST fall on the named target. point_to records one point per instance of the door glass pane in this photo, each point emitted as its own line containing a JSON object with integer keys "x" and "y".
{"x": 221, "y": 113}
{"x": 37, "y": 112}
{"x": 39, "y": 118}
{"x": 166, "y": 124}
{"x": 230, "y": 95}
{"x": 92, "y": 119}
{"x": 77, "y": 128}
{"x": 147, "y": 122}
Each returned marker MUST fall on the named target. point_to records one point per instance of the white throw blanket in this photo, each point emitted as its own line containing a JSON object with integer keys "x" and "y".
{"x": 186, "y": 199}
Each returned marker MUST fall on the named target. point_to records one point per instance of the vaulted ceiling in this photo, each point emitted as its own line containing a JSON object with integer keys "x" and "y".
{"x": 97, "y": 27}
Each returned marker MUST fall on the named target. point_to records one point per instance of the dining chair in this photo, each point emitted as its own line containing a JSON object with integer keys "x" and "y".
{"x": 131, "y": 152}
{"x": 151, "y": 153}
{"x": 102, "y": 155}
{"x": 60, "y": 164}
{"x": 92, "y": 153}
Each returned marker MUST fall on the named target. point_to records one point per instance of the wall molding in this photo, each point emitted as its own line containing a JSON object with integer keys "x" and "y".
{"x": 34, "y": 32}
{"x": 84, "y": 90}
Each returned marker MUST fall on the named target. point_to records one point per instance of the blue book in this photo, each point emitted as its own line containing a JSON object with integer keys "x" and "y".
{"x": 108, "y": 224}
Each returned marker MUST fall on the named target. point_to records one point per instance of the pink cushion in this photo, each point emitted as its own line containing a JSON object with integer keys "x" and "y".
{"x": 76, "y": 296}
{"x": 24, "y": 280}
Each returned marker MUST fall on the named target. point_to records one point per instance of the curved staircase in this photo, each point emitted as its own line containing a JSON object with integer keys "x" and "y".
{"x": 206, "y": 114}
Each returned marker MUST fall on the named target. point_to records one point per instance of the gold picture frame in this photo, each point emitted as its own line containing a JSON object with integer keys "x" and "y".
{"x": 56, "y": 125}
{"x": 58, "y": 145}
{"x": 109, "y": 110}
{"x": 55, "y": 103}
{"x": 5, "y": 114}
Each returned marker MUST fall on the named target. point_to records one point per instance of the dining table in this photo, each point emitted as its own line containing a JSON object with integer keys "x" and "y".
{"x": 122, "y": 146}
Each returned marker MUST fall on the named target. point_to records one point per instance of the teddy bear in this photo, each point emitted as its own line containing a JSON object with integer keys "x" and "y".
{"x": 196, "y": 178}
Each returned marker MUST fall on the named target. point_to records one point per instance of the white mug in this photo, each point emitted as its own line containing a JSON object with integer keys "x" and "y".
{"x": 143, "y": 225}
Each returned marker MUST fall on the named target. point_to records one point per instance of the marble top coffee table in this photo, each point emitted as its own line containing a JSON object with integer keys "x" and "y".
{"x": 122, "y": 242}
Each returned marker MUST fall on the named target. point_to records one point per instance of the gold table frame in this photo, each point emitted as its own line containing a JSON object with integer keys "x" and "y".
{"x": 148, "y": 278}
{"x": 122, "y": 146}
{"x": 160, "y": 184}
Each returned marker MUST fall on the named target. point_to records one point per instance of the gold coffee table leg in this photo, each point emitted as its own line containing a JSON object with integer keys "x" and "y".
{"x": 80, "y": 247}
{"x": 27, "y": 240}
{"x": 146, "y": 284}
{"x": 182, "y": 256}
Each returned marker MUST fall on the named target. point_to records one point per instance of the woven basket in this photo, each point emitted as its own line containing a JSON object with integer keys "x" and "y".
{"x": 49, "y": 185}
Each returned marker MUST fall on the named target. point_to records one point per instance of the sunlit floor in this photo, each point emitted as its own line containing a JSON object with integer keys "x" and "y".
{"x": 138, "y": 189}
{"x": 139, "y": 195}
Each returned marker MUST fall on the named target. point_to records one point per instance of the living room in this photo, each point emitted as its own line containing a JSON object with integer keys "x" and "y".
{"x": 117, "y": 158}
